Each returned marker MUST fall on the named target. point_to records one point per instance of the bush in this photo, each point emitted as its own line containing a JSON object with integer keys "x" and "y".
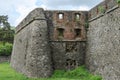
{"x": 80, "y": 73}
{"x": 6, "y": 49}
{"x": 118, "y": 1}
{"x": 58, "y": 73}
{"x": 95, "y": 78}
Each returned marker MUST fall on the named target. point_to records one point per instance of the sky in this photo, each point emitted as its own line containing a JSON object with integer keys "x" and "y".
{"x": 17, "y": 10}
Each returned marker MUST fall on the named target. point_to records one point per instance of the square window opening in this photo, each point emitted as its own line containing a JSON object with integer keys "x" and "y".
{"x": 60, "y": 16}
{"x": 60, "y": 32}
{"x": 77, "y": 16}
{"x": 77, "y": 32}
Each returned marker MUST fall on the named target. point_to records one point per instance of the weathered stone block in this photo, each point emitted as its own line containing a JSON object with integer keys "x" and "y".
{"x": 103, "y": 46}
{"x": 31, "y": 52}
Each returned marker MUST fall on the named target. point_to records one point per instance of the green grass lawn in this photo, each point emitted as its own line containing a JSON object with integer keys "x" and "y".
{"x": 7, "y": 73}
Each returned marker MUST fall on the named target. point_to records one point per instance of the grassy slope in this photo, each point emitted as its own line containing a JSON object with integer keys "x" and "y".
{"x": 1, "y": 43}
{"x": 7, "y": 73}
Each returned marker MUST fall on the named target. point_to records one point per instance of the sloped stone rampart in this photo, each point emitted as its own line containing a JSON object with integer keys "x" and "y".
{"x": 31, "y": 52}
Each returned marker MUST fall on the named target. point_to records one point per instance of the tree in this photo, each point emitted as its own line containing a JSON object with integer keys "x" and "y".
{"x": 6, "y": 33}
{"x": 4, "y": 22}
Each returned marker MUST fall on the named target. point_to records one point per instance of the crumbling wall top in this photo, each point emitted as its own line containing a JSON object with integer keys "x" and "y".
{"x": 33, "y": 15}
{"x": 102, "y": 8}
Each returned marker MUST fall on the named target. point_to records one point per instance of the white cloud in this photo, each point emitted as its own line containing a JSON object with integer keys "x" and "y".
{"x": 44, "y": 7}
{"x": 18, "y": 9}
{"x": 82, "y": 8}
{"x": 74, "y": 3}
{"x": 24, "y": 8}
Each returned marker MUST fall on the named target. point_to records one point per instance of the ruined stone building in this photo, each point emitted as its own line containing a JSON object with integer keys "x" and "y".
{"x": 47, "y": 40}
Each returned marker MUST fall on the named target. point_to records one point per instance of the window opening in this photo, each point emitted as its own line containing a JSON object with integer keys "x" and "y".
{"x": 60, "y": 16}
{"x": 77, "y": 16}
{"x": 71, "y": 64}
{"x": 60, "y": 32}
{"x": 77, "y": 32}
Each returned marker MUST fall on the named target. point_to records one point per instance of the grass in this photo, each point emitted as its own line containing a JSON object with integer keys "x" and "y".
{"x": 7, "y": 73}
{"x": 1, "y": 43}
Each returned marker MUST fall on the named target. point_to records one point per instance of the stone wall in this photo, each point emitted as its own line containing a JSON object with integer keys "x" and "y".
{"x": 31, "y": 52}
{"x": 102, "y": 8}
{"x": 49, "y": 40}
{"x": 67, "y": 49}
{"x": 36, "y": 51}
{"x": 4, "y": 59}
{"x": 103, "y": 44}
{"x": 67, "y": 55}
{"x": 70, "y": 27}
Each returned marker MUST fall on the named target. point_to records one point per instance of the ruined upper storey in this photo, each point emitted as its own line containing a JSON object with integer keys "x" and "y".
{"x": 67, "y": 25}
{"x": 103, "y": 8}
{"x": 62, "y": 25}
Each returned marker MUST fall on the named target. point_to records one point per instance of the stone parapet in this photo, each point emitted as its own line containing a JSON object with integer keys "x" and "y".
{"x": 102, "y": 8}
{"x": 33, "y": 15}
{"x": 31, "y": 51}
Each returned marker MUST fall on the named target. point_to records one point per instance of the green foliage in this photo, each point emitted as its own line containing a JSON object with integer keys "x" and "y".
{"x": 87, "y": 24}
{"x": 7, "y": 73}
{"x": 79, "y": 73}
{"x": 118, "y": 1}
{"x": 58, "y": 74}
{"x": 5, "y": 49}
{"x": 95, "y": 77}
{"x": 101, "y": 9}
{"x": 4, "y": 22}
{"x": 6, "y": 33}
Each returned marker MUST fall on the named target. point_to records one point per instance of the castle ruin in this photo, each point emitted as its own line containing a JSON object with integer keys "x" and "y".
{"x": 48, "y": 40}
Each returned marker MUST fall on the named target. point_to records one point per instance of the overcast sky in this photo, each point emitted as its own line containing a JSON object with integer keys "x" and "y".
{"x": 18, "y": 9}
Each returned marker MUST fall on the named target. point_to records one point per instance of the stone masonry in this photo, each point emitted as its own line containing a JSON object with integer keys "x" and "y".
{"x": 48, "y": 40}
{"x": 31, "y": 51}
{"x": 103, "y": 43}
{"x": 43, "y": 42}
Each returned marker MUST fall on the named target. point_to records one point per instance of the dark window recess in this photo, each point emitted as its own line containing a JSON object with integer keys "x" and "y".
{"x": 60, "y": 16}
{"x": 71, "y": 64}
{"x": 60, "y": 32}
{"x": 77, "y": 16}
{"x": 77, "y": 32}
{"x": 70, "y": 47}
{"x": 40, "y": 35}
